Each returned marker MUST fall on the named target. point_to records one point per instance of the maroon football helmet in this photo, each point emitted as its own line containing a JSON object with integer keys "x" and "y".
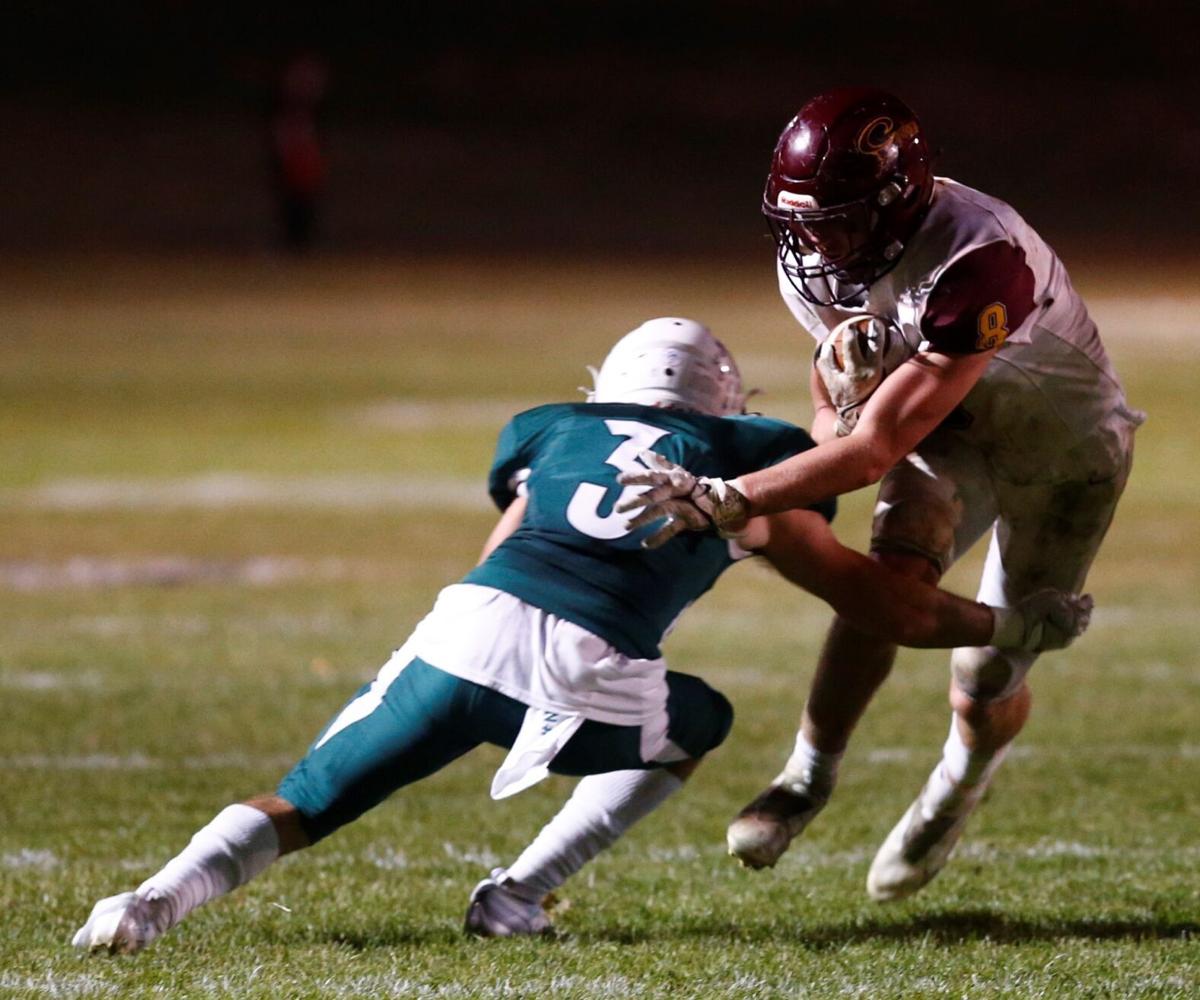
{"x": 850, "y": 182}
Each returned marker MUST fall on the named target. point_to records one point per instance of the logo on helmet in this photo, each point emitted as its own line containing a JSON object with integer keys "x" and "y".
{"x": 873, "y": 136}
{"x": 796, "y": 202}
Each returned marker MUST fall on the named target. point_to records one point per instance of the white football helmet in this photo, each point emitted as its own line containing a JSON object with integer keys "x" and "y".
{"x": 671, "y": 362}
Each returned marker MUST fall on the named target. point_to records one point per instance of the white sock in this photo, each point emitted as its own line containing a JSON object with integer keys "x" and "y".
{"x": 961, "y": 772}
{"x": 238, "y": 844}
{"x": 810, "y": 771}
{"x": 602, "y": 808}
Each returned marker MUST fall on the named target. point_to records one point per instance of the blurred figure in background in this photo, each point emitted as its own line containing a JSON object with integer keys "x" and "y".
{"x": 298, "y": 165}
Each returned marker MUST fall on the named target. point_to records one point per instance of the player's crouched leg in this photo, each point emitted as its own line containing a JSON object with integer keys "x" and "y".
{"x": 991, "y": 699}
{"x": 696, "y": 721}
{"x": 629, "y": 772}
{"x": 699, "y": 717}
{"x": 410, "y": 722}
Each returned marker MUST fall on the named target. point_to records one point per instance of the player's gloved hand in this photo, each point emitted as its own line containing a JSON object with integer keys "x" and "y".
{"x": 1047, "y": 619}
{"x": 689, "y": 503}
{"x": 852, "y": 360}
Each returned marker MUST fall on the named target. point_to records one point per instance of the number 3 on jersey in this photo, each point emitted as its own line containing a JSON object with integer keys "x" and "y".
{"x": 583, "y": 512}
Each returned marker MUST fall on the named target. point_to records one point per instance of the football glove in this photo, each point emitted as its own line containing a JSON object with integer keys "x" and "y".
{"x": 1047, "y": 619}
{"x": 689, "y": 503}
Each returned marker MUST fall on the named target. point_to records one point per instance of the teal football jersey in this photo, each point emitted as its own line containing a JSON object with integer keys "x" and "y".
{"x": 572, "y": 554}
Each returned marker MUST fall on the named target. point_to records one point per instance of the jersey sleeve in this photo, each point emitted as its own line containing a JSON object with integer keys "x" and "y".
{"x": 514, "y": 454}
{"x": 979, "y": 300}
{"x": 776, "y": 441}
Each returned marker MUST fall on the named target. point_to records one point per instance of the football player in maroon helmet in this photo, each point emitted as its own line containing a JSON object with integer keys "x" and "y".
{"x": 850, "y": 182}
{"x": 1005, "y": 417}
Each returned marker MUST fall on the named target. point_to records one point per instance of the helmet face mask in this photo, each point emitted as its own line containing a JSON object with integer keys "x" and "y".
{"x": 842, "y": 237}
{"x": 850, "y": 181}
{"x": 674, "y": 363}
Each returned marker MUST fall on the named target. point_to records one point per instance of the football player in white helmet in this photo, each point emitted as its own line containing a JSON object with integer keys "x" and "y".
{"x": 671, "y": 361}
{"x": 1007, "y": 415}
{"x": 563, "y": 575}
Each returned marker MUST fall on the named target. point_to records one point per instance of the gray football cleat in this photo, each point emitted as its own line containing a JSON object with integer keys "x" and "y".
{"x": 121, "y": 924}
{"x": 761, "y": 832}
{"x": 502, "y": 907}
{"x": 920, "y": 845}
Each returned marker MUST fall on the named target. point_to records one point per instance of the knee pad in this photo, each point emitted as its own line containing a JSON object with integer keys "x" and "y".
{"x": 987, "y": 673}
{"x": 700, "y": 717}
{"x": 723, "y": 716}
{"x": 925, "y": 528}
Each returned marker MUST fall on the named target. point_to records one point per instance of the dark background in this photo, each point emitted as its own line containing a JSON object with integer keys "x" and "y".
{"x": 639, "y": 128}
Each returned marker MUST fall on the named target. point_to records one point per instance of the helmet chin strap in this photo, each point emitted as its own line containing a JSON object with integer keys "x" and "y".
{"x": 590, "y": 393}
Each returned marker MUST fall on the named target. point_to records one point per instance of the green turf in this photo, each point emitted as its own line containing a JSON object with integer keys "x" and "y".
{"x": 134, "y": 710}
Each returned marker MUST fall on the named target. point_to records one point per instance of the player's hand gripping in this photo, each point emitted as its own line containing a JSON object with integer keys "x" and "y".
{"x": 852, "y": 360}
{"x": 689, "y": 503}
{"x": 1047, "y": 619}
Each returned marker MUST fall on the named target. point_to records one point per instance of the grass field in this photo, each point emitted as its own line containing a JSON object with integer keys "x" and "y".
{"x": 229, "y": 489}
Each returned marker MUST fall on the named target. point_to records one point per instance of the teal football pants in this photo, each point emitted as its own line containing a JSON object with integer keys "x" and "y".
{"x": 427, "y": 718}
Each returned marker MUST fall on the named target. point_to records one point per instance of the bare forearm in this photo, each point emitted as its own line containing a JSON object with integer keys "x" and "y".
{"x": 824, "y": 425}
{"x": 876, "y": 599}
{"x": 939, "y": 620}
{"x": 904, "y": 409}
{"x": 838, "y": 466}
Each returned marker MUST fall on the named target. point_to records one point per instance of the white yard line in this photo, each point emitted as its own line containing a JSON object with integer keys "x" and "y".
{"x": 140, "y": 762}
{"x": 59, "y": 985}
{"x": 387, "y": 858}
{"x": 605, "y": 987}
{"x": 1181, "y": 751}
{"x": 48, "y": 680}
{"x": 136, "y": 761}
{"x": 431, "y": 414}
{"x": 85, "y": 572}
{"x": 29, "y": 857}
{"x": 217, "y": 491}
{"x": 1140, "y": 319}
{"x": 482, "y": 856}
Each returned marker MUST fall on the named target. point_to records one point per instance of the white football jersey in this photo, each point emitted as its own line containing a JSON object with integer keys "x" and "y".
{"x": 1049, "y": 406}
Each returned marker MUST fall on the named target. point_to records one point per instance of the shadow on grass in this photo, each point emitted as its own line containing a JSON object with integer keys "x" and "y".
{"x": 365, "y": 939}
{"x": 949, "y": 929}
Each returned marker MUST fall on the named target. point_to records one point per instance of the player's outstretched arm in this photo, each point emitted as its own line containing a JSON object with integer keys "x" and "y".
{"x": 909, "y": 404}
{"x": 878, "y": 601}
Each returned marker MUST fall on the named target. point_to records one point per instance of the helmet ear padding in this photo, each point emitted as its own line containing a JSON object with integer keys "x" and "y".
{"x": 890, "y": 192}
{"x": 671, "y": 362}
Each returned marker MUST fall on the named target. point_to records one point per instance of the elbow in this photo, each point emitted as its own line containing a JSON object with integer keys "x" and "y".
{"x": 873, "y": 450}
{"x": 877, "y": 458}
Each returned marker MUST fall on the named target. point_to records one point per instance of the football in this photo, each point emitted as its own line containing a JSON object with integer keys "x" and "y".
{"x": 856, "y": 356}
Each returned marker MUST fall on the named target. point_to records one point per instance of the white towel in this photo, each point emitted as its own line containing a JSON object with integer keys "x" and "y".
{"x": 543, "y": 734}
